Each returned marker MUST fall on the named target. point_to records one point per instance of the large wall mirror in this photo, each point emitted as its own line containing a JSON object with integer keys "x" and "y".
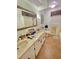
{"x": 25, "y": 18}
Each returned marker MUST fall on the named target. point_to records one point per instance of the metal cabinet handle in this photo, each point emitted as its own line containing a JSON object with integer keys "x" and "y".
{"x": 34, "y": 48}
{"x": 17, "y": 48}
{"x": 28, "y": 58}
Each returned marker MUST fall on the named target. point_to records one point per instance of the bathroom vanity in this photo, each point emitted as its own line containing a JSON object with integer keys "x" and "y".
{"x": 29, "y": 48}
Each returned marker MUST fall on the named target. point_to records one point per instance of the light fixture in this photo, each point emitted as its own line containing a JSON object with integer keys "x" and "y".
{"x": 52, "y": 6}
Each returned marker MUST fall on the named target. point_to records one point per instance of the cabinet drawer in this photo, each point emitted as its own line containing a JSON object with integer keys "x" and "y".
{"x": 30, "y": 54}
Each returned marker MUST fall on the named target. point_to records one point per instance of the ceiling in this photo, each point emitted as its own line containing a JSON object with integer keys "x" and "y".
{"x": 45, "y": 4}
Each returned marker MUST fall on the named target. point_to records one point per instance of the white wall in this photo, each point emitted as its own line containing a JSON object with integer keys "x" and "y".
{"x": 51, "y": 20}
{"x": 38, "y": 19}
{"x": 55, "y": 20}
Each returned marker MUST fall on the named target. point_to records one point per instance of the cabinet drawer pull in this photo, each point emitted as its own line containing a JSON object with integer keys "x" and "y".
{"x": 34, "y": 48}
{"x": 17, "y": 48}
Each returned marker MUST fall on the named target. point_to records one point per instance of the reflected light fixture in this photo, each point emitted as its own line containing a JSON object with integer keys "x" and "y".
{"x": 52, "y": 6}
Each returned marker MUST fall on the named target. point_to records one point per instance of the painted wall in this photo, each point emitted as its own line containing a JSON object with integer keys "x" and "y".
{"x": 51, "y": 20}
{"x": 55, "y": 20}
{"x": 38, "y": 18}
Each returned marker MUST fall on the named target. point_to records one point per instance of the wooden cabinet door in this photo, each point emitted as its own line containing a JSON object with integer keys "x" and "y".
{"x": 30, "y": 54}
{"x": 37, "y": 47}
{"x": 43, "y": 39}
{"x": 39, "y": 44}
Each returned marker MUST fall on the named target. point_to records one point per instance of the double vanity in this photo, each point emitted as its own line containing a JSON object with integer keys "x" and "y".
{"x": 29, "y": 48}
